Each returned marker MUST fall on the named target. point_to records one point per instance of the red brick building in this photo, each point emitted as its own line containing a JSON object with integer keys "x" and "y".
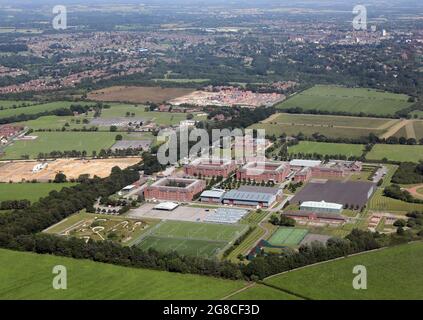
{"x": 303, "y": 175}
{"x": 210, "y": 168}
{"x": 175, "y": 189}
{"x": 264, "y": 171}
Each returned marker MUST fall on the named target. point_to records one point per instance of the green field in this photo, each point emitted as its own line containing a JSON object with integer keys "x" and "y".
{"x": 29, "y": 276}
{"x": 392, "y": 273}
{"x": 287, "y": 236}
{"x": 379, "y": 202}
{"x": 396, "y": 153}
{"x": 352, "y": 100}
{"x": 29, "y": 191}
{"x": 60, "y": 141}
{"x": 38, "y": 108}
{"x": 191, "y": 238}
{"x": 328, "y": 125}
{"x": 9, "y": 104}
{"x": 262, "y": 292}
{"x": 327, "y": 148}
{"x": 161, "y": 118}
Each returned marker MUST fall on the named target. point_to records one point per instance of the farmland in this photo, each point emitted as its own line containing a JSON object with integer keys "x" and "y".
{"x": 396, "y": 152}
{"x": 351, "y": 100}
{"x": 29, "y": 191}
{"x": 388, "y": 270}
{"x": 138, "y": 94}
{"x": 29, "y": 276}
{"x": 191, "y": 238}
{"x": 60, "y": 141}
{"x": 38, "y": 108}
{"x": 330, "y": 126}
{"x": 307, "y": 147}
{"x": 262, "y": 292}
{"x": 379, "y": 202}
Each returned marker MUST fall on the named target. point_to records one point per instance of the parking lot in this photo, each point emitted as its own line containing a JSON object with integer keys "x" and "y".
{"x": 181, "y": 213}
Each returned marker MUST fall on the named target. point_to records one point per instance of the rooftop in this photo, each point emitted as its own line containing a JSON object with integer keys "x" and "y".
{"x": 322, "y": 205}
{"x": 305, "y": 163}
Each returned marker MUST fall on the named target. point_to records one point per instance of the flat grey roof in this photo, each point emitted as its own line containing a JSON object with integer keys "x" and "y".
{"x": 259, "y": 189}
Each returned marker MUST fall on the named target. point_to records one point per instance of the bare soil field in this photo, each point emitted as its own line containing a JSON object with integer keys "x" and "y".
{"x": 138, "y": 94}
{"x": 17, "y": 171}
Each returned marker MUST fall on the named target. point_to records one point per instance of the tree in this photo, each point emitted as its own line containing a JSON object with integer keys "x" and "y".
{"x": 60, "y": 178}
{"x": 113, "y": 128}
{"x": 118, "y": 137}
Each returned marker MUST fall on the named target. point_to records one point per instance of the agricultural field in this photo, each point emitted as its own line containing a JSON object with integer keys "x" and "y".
{"x": 392, "y": 273}
{"x": 12, "y": 104}
{"x": 330, "y": 126}
{"x": 33, "y": 109}
{"x": 138, "y": 94}
{"x": 396, "y": 152}
{"x": 29, "y": 191}
{"x": 287, "y": 236}
{"x": 56, "y": 122}
{"x": 352, "y": 100}
{"x": 60, "y": 141}
{"x": 29, "y": 276}
{"x": 380, "y": 203}
{"x": 100, "y": 227}
{"x": 191, "y": 238}
{"x": 327, "y": 148}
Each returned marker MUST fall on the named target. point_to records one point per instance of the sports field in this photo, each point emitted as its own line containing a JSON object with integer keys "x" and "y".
{"x": 392, "y": 273}
{"x": 287, "y": 236}
{"x": 60, "y": 141}
{"x": 191, "y": 238}
{"x": 396, "y": 152}
{"x": 328, "y": 125}
{"x": 327, "y": 148}
{"x": 351, "y": 100}
{"x": 29, "y": 191}
{"x": 29, "y": 276}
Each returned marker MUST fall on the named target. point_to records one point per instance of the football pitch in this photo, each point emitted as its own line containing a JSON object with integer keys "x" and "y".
{"x": 191, "y": 238}
{"x": 287, "y": 236}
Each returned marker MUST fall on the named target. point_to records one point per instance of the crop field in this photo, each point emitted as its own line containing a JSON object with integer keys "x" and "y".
{"x": 191, "y": 238}
{"x": 33, "y": 109}
{"x": 60, "y": 141}
{"x": 353, "y": 100}
{"x": 287, "y": 236}
{"x": 101, "y": 227}
{"x": 327, "y": 148}
{"x": 29, "y": 191}
{"x": 392, "y": 273}
{"x": 396, "y": 152}
{"x": 138, "y": 94}
{"x": 330, "y": 126}
{"x": 29, "y": 276}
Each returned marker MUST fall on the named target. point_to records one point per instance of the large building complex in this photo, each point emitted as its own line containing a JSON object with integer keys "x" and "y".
{"x": 210, "y": 168}
{"x": 334, "y": 169}
{"x": 175, "y": 189}
{"x": 253, "y": 196}
{"x": 264, "y": 171}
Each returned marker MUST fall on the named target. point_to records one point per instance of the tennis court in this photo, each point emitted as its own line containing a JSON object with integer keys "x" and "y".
{"x": 287, "y": 236}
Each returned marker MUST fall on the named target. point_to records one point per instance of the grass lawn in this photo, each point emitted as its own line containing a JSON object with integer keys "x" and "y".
{"x": 60, "y": 141}
{"x": 327, "y": 148}
{"x": 38, "y": 108}
{"x": 379, "y": 202}
{"x": 29, "y": 276}
{"x": 56, "y": 122}
{"x": 392, "y": 273}
{"x": 396, "y": 153}
{"x": 287, "y": 236}
{"x": 8, "y": 104}
{"x": 29, "y": 191}
{"x": 262, "y": 292}
{"x": 191, "y": 238}
{"x": 354, "y": 100}
{"x": 161, "y": 118}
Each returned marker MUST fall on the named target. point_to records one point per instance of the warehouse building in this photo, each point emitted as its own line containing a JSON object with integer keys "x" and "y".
{"x": 253, "y": 196}
{"x": 210, "y": 168}
{"x": 321, "y": 206}
{"x": 212, "y": 196}
{"x": 174, "y": 189}
{"x": 264, "y": 171}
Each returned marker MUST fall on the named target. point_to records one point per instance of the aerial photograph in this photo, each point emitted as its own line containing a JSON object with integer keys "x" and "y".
{"x": 246, "y": 153}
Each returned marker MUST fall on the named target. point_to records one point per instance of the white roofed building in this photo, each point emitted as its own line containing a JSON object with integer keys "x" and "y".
{"x": 321, "y": 206}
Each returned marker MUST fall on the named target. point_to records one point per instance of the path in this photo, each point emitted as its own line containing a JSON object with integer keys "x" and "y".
{"x": 239, "y": 291}
{"x": 414, "y": 193}
{"x": 271, "y": 118}
{"x": 395, "y": 128}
